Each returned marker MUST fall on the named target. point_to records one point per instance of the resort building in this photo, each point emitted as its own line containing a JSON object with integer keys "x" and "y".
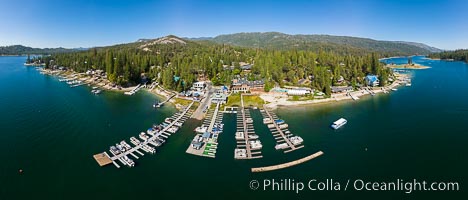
{"x": 199, "y": 86}
{"x": 299, "y": 91}
{"x": 244, "y": 85}
{"x": 240, "y": 88}
{"x": 341, "y": 89}
{"x": 372, "y": 80}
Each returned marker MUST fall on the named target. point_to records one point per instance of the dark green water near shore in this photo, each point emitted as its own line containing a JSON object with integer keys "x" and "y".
{"x": 51, "y": 132}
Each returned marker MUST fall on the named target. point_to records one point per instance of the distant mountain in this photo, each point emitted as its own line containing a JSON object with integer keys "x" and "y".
{"x": 421, "y": 45}
{"x": 23, "y": 50}
{"x": 276, "y": 40}
{"x": 198, "y": 38}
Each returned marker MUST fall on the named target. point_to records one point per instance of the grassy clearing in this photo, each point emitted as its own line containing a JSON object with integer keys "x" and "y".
{"x": 253, "y": 100}
{"x": 249, "y": 100}
{"x": 233, "y": 100}
{"x": 183, "y": 102}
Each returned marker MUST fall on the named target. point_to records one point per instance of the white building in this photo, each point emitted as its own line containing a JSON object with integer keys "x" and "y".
{"x": 199, "y": 86}
{"x": 299, "y": 91}
{"x": 219, "y": 98}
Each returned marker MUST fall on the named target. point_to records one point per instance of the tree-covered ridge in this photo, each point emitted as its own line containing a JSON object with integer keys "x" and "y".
{"x": 177, "y": 65}
{"x": 339, "y": 44}
{"x": 23, "y": 50}
{"x": 460, "y": 55}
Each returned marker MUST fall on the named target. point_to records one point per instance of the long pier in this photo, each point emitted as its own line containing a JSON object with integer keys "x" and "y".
{"x": 244, "y": 123}
{"x": 288, "y": 164}
{"x": 280, "y": 132}
{"x": 213, "y": 123}
{"x": 165, "y": 101}
{"x": 100, "y": 158}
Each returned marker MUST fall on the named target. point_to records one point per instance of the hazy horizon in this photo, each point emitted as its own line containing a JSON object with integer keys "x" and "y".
{"x": 88, "y": 23}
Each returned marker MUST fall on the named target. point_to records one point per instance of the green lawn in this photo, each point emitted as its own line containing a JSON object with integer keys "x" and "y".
{"x": 183, "y": 102}
{"x": 233, "y": 100}
{"x": 253, "y": 100}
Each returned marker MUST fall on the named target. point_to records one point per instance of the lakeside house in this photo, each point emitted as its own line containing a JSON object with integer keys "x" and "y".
{"x": 246, "y": 68}
{"x": 340, "y": 89}
{"x": 372, "y": 80}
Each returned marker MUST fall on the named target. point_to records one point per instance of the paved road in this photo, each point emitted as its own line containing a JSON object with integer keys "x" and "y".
{"x": 198, "y": 114}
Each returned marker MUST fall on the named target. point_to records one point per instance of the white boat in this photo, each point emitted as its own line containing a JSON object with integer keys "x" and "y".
{"x": 256, "y": 144}
{"x": 339, "y": 123}
{"x": 281, "y": 146}
{"x": 120, "y": 147}
{"x": 240, "y": 153}
{"x": 173, "y": 129}
{"x": 240, "y": 136}
{"x": 253, "y": 136}
{"x": 394, "y": 89}
{"x": 129, "y": 161}
{"x": 114, "y": 150}
{"x": 267, "y": 121}
{"x": 151, "y": 131}
{"x": 125, "y": 144}
{"x": 143, "y": 136}
{"x": 201, "y": 129}
{"x": 134, "y": 141}
{"x": 296, "y": 140}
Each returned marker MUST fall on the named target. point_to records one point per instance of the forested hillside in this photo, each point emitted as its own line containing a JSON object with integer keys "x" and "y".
{"x": 460, "y": 55}
{"x": 23, "y": 50}
{"x": 338, "y": 44}
{"x": 176, "y": 63}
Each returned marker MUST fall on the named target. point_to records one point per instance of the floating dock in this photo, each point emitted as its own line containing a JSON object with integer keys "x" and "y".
{"x": 244, "y": 149}
{"x": 209, "y": 139}
{"x": 279, "y": 130}
{"x": 288, "y": 164}
{"x": 104, "y": 159}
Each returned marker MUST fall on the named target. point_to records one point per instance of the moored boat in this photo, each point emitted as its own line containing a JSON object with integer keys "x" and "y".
{"x": 339, "y": 123}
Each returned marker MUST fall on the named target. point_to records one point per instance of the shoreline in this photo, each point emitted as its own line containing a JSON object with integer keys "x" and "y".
{"x": 408, "y": 66}
{"x": 281, "y": 100}
{"x": 273, "y": 100}
{"x": 104, "y": 84}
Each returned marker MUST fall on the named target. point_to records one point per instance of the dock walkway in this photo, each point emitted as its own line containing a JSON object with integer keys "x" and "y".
{"x": 280, "y": 132}
{"x": 288, "y": 164}
{"x": 213, "y": 122}
{"x": 143, "y": 145}
{"x": 245, "y": 125}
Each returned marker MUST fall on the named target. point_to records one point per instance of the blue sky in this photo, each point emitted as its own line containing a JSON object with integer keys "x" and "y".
{"x": 88, "y": 23}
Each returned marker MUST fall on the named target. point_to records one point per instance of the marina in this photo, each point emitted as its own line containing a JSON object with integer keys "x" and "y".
{"x": 205, "y": 142}
{"x": 279, "y": 129}
{"x": 248, "y": 144}
{"x": 147, "y": 142}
